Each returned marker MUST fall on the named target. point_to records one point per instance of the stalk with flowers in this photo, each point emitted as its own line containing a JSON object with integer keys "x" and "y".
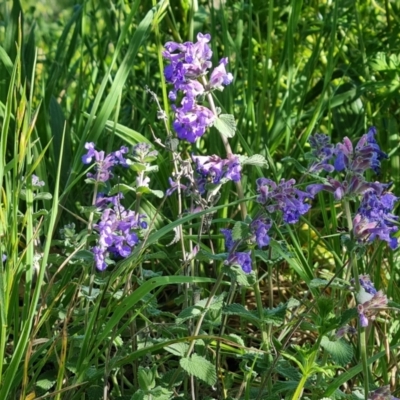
{"x": 235, "y": 281}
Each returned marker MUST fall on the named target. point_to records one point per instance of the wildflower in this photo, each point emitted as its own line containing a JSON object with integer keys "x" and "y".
{"x": 187, "y": 63}
{"x": 192, "y": 120}
{"x": 370, "y": 301}
{"x": 142, "y": 152}
{"x": 283, "y": 197}
{"x": 382, "y": 393}
{"x": 215, "y": 168}
{"x": 118, "y": 230}
{"x": 366, "y": 154}
{"x": 367, "y": 288}
{"x": 322, "y": 151}
{"x": 219, "y": 76}
{"x": 174, "y": 186}
{"x": 36, "y": 182}
{"x": 229, "y": 242}
{"x": 104, "y": 163}
{"x": 260, "y": 227}
{"x": 242, "y": 259}
{"x": 345, "y": 330}
{"x": 374, "y": 218}
{"x": 353, "y": 185}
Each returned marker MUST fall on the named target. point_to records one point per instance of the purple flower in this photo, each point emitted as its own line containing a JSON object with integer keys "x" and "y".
{"x": 322, "y": 152}
{"x": 104, "y": 163}
{"x": 192, "y": 120}
{"x": 382, "y": 393}
{"x": 189, "y": 62}
{"x": 118, "y": 230}
{"x": 174, "y": 186}
{"x": 241, "y": 259}
{"x": 345, "y": 330}
{"x": 283, "y": 197}
{"x": 260, "y": 227}
{"x": 367, "y": 284}
{"x": 214, "y": 168}
{"x": 229, "y": 242}
{"x": 370, "y": 301}
{"x": 36, "y": 182}
{"x": 375, "y": 219}
{"x": 219, "y": 77}
{"x": 366, "y": 154}
{"x": 353, "y": 185}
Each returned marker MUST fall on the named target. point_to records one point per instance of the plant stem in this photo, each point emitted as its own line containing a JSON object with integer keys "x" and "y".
{"x": 228, "y": 149}
{"x": 361, "y": 330}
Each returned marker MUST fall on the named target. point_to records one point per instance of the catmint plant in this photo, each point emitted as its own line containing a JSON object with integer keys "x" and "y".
{"x": 119, "y": 229}
{"x": 104, "y": 164}
{"x": 370, "y": 301}
{"x": 189, "y": 64}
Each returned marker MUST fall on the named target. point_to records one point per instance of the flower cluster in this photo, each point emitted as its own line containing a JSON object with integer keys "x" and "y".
{"x": 382, "y": 393}
{"x": 258, "y": 228}
{"x": 370, "y": 300}
{"x": 243, "y": 259}
{"x": 283, "y": 197}
{"x": 214, "y": 168}
{"x": 375, "y": 219}
{"x": 104, "y": 163}
{"x": 189, "y": 63}
{"x": 366, "y": 154}
{"x": 118, "y": 230}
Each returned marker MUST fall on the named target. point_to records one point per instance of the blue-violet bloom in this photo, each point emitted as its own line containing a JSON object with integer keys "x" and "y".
{"x": 283, "y": 197}
{"x": 382, "y": 393}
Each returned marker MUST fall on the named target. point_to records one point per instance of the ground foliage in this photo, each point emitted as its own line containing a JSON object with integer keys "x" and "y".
{"x": 177, "y": 316}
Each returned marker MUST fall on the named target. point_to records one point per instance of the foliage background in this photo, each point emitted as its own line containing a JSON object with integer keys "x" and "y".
{"x": 73, "y": 72}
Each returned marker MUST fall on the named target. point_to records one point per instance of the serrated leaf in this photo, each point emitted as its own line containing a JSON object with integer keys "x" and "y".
{"x": 238, "y": 309}
{"x": 226, "y": 125}
{"x": 240, "y": 231}
{"x": 203, "y": 255}
{"x": 177, "y": 349}
{"x": 198, "y": 308}
{"x": 121, "y": 188}
{"x": 200, "y": 368}
{"x": 239, "y": 276}
{"x": 340, "y": 351}
{"x": 256, "y": 159}
{"x": 276, "y": 315}
{"x": 147, "y": 377}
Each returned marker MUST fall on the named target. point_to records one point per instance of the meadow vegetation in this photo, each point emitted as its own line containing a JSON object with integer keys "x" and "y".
{"x": 177, "y": 226}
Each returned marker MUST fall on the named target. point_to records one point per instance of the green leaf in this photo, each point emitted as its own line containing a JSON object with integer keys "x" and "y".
{"x": 238, "y": 309}
{"x": 340, "y": 351}
{"x": 177, "y": 349}
{"x": 147, "y": 377}
{"x": 257, "y": 159}
{"x": 240, "y": 231}
{"x": 226, "y": 125}
{"x": 121, "y": 188}
{"x": 200, "y": 368}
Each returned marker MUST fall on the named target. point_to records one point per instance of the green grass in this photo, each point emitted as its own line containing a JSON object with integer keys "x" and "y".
{"x": 76, "y": 73}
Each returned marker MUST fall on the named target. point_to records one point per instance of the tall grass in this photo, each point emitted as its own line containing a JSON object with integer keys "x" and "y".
{"x": 77, "y": 73}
